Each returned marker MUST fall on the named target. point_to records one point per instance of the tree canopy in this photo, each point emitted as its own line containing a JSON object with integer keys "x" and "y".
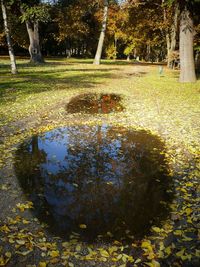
{"x": 136, "y": 29}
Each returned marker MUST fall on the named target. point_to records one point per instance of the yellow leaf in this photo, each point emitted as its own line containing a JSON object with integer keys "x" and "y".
{"x": 186, "y": 257}
{"x": 8, "y": 254}
{"x": 78, "y": 248}
{"x": 178, "y": 232}
{"x": 161, "y": 246}
{"x": 65, "y": 244}
{"x": 119, "y": 257}
{"x": 156, "y": 229}
{"x": 149, "y": 264}
{"x": 24, "y": 253}
{"x": 20, "y": 242}
{"x": 147, "y": 245}
{"x": 3, "y": 261}
{"x": 180, "y": 253}
{"x": 137, "y": 261}
{"x": 124, "y": 258}
{"x": 4, "y": 229}
{"x": 112, "y": 249}
{"x": 150, "y": 256}
{"x": 83, "y": 226}
{"x": 103, "y": 259}
{"x": 11, "y": 241}
{"x": 189, "y": 184}
{"x": 188, "y": 211}
{"x": 104, "y": 253}
{"x": 25, "y": 221}
{"x": 155, "y": 263}
{"x": 54, "y": 253}
{"x": 197, "y": 253}
{"x": 168, "y": 250}
{"x": 70, "y": 264}
{"x": 42, "y": 264}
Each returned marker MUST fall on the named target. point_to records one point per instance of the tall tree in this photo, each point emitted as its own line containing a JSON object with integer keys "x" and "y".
{"x": 171, "y": 22}
{"x": 102, "y": 34}
{"x": 186, "y": 43}
{"x": 186, "y": 37}
{"x": 9, "y": 43}
{"x": 32, "y": 13}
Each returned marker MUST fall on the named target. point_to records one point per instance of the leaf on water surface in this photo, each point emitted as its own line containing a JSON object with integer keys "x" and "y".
{"x": 83, "y": 226}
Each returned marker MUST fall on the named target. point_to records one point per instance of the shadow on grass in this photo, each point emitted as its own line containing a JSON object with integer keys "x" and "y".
{"x": 41, "y": 81}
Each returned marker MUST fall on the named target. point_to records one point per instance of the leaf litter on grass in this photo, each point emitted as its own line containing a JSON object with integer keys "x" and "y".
{"x": 161, "y": 105}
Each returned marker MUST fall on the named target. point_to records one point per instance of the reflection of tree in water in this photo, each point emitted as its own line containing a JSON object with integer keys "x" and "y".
{"x": 94, "y": 103}
{"x": 108, "y": 178}
{"x": 29, "y": 164}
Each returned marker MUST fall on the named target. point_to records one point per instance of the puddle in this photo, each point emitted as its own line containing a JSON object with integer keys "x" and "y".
{"x": 95, "y": 180}
{"x": 94, "y": 103}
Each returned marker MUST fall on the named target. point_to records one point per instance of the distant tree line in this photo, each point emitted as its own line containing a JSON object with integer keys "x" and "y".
{"x": 148, "y": 30}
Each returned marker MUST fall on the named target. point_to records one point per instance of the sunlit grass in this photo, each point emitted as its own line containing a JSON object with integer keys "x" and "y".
{"x": 35, "y": 100}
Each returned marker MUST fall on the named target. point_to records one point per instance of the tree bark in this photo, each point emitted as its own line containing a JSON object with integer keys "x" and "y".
{"x": 171, "y": 34}
{"x": 9, "y": 43}
{"x": 187, "y": 65}
{"x": 102, "y": 35}
{"x": 34, "y": 47}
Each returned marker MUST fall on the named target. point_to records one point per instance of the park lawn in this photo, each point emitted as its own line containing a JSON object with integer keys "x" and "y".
{"x": 35, "y": 101}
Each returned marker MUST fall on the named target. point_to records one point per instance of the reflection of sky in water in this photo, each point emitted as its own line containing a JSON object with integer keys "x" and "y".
{"x": 97, "y": 175}
{"x": 60, "y": 145}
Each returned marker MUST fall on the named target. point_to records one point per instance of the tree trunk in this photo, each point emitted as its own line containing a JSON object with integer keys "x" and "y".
{"x": 171, "y": 34}
{"x": 34, "y": 47}
{"x": 187, "y": 66}
{"x": 102, "y": 35}
{"x": 9, "y": 43}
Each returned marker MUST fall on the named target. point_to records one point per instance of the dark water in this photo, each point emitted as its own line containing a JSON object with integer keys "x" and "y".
{"x": 108, "y": 179}
{"x": 94, "y": 103}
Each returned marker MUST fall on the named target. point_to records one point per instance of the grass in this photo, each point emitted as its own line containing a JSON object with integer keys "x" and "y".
{"x": 34, "y": 101}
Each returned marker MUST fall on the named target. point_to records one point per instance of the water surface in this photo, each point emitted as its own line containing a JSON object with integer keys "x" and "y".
{"x": 95, "y": 180}
{"x": 95, "y": 103}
